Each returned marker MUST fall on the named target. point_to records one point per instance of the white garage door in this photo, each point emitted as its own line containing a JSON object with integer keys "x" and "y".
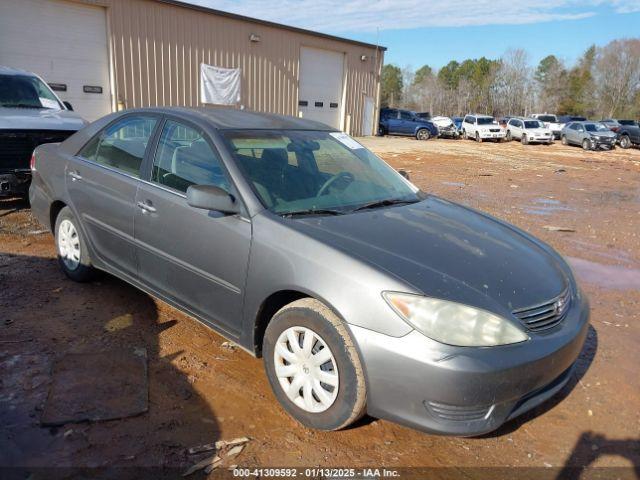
{"x": 320, "y": 93}
{"x": 63, "y": 42}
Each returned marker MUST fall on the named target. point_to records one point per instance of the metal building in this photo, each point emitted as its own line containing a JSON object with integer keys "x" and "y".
{"x": 103, "y": 55}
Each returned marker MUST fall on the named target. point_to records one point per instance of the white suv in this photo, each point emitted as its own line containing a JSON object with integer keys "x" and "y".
{"x": 482, "y": 127}
{"x": 528, "y": 130}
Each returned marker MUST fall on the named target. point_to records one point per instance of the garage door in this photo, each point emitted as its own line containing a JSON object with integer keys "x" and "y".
{"x": 320, "y": 93}
{"x": 63, "y": 42}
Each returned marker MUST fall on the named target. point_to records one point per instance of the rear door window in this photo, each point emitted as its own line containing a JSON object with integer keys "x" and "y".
{"x": 122, "y": 145}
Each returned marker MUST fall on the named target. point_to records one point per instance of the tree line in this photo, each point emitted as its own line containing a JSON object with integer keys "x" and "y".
{"x": 603, "y": 83}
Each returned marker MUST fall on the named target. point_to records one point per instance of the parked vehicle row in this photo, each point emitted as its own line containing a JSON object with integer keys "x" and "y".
{"x": 542, "y": 128}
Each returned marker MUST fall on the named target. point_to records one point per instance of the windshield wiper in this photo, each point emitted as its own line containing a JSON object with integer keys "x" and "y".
{"x": 21, "y": 105}
{"x": 383, "y": 203}
{"x": 312, "y": 211}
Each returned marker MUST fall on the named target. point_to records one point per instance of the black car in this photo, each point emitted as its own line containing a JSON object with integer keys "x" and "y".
{"x": 628, "y": 133}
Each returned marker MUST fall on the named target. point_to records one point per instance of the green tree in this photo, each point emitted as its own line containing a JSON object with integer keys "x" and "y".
{"x": 390, "y": 86}
{"x": 579, "y": 96}
{"x": 422, "y": 74}
{"x": 449, "y": 75}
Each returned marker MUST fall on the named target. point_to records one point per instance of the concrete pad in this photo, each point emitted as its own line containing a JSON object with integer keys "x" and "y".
{"x": 97, "y": 386}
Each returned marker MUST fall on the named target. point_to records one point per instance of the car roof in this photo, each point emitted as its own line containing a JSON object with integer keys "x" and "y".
{"x": 236, "y": 119}
{"x": 14, "y": 71}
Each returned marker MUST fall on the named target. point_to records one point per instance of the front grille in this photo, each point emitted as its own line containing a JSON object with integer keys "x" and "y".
{"x": 494, "y": 130}
{"x": 455, "y": 413}
{"x": 16, "y": 146}
{"x": 545, "y": 315}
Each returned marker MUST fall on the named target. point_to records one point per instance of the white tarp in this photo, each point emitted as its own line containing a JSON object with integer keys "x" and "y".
{"x": 219, "y": 86}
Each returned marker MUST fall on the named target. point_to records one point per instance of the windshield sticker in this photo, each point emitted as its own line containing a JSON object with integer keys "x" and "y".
{"x": 346, "y": 140}
{"x": 48, "y": 103}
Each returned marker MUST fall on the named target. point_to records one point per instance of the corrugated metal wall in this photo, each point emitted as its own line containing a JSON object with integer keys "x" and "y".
{"x": 157, "y": 49}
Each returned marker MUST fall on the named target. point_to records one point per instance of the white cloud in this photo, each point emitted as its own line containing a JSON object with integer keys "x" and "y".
{"x": 368, "y": 15}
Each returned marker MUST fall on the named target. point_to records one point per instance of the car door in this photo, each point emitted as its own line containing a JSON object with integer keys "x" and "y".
{"x": 394, "y": 122}
{"x": 407, "y": 123}
{"x": 102, "y": 181}
{"x": 193, "y": 257}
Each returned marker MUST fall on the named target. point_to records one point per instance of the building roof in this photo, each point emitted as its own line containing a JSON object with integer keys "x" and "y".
{"x": 266, "y": 23}
{"x": 232, "y": 119}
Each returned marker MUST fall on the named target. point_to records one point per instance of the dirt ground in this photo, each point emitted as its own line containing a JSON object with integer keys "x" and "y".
{"x": 202, "y": 391}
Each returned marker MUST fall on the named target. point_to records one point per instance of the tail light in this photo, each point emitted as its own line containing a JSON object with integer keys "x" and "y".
{"x": 32, "y": 162}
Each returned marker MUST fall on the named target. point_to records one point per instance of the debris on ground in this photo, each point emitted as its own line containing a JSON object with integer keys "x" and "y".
{"x": 553, "y": 228}
{"x": 224, "y": 449}
{"x": 75, "y": 396}
{"x": 229, "y": 346}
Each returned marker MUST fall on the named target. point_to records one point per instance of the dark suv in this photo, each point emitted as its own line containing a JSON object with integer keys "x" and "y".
{"x": 405, "y": 122}
{"x": 628, "y": 133}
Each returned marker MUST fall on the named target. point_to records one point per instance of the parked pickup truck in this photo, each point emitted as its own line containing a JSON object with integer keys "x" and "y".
{"x": 551, "y": 122}
{"x": 628, "y": 133}
{"x": 30, "y": 114}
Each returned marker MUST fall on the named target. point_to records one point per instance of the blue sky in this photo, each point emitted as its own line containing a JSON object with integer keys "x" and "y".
{"x": 433, "y": 32}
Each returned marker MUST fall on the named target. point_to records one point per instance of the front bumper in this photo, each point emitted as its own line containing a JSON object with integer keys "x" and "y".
{"x": 541, "y": 139}
{"x": 466, "y": 391}
{"x": 597, "y": 143}
{"x": 15, "y": 183}
{"x": 492, "y": 135}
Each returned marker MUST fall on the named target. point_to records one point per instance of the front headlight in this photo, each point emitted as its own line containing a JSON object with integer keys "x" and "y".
{"x": 453, "y": 323}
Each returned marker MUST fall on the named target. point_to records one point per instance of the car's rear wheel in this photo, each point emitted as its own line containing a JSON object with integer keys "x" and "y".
{"x": 464, "y": 135}
{"x": 313, "y": 366}
{"x": 586, "y": 144}
{"x": 73, "y": 256}
{"x": 381, "y": 131}
{"x": 625, "y": 142}
{"x": 423, "y": 134}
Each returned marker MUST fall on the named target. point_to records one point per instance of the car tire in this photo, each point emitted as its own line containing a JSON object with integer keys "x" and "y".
{"x": 381, "y": 131}
{"x": 586, "y": 144}
{"x": 564, "y": 140}
{"x": 524, "y": 139}
{"x": 478, "y": 138}
{"x": 73, "y": 255}
{"x": 625, "y": 142}
{"x": 314, "y": 405}
{"x": 464, "y": 135}
{"x": 509, "y": 137}
{"x": 423, "y": 134}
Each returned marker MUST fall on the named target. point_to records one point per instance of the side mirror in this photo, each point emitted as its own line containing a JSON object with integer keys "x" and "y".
{"x": 68, "y": 105}
{"x": 404, "y": 174}
{"x": 210, "y": 197}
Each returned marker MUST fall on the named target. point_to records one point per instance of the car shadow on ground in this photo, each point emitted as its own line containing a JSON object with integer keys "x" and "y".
{"x": 12, "y": 205}
{"x": 43, "y": 317}
{"x": 582, "y": 365}
{"x": 592, "y": 446}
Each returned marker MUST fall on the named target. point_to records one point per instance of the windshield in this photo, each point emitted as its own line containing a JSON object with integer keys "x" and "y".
{"x": 595, "y": 127}
{"x": 486, "y": 121}
{"x": 547, "y": 118}
{"x": 24, "y": 91}
{"x": 533, "y": 124}
{"x": 296, "y": 171}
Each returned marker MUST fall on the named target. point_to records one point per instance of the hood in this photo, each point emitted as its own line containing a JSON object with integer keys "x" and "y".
{"x": 39, "y": 119}
{"x": 447, "y": 251}
{"x": 608, "y": 133}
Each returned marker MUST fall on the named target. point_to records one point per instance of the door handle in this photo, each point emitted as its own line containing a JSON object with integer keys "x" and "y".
{"x": 75, "y": 176}
{"x": 145, "y": 207}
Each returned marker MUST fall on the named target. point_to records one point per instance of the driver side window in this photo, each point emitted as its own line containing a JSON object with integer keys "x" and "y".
{"x": 184, "y": 158}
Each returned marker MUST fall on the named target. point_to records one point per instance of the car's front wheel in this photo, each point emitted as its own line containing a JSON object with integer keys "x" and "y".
{"x": 423, "y": 134}
{"x": 73, "y": 256}
{"x": 564, "y": 140}
{"x": 625, "y": 142}
{"x": 509, "y": 137}
{"x": 524, "y": 139}
{"x": 313, "y": 366}
{"x": 586, "y": 144}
